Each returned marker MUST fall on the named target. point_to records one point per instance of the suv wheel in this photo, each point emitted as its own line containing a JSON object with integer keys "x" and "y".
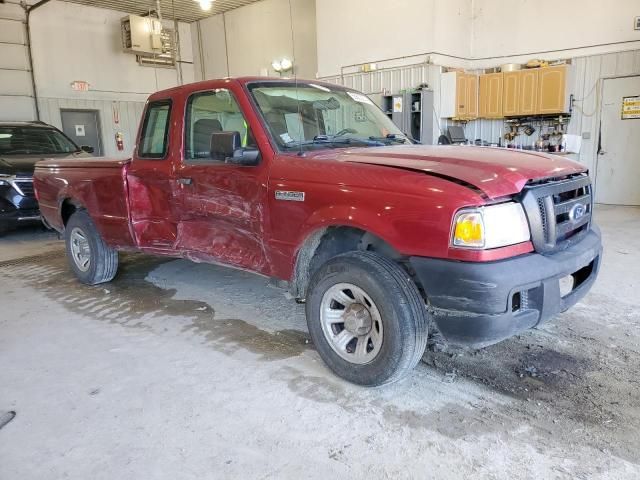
{"x": 366, "y": 318}
{"x": 92, "y": 260}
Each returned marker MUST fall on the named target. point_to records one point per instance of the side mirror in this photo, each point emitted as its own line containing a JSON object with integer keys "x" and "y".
{"x": 87, "y": 148}
{"x": 227, "y": 147}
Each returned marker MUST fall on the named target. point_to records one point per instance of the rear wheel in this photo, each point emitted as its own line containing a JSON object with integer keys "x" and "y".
{"x": 366, "y": 318}
{"x": 91, "y": 259}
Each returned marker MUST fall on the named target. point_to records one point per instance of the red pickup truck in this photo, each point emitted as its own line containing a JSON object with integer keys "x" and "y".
{"x": 383, "y": 239}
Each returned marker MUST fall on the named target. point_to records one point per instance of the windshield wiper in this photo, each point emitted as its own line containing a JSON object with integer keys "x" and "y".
{"x": 331, "y": 141}
{"x": 390, "y": 138}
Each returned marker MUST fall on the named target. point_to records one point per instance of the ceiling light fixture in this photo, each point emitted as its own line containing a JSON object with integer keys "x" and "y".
{"x": 283, "y": 65}
{"x": 205, "y": 4}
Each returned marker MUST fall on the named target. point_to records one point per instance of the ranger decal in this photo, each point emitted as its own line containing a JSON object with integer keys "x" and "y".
{"x": 291, "y": 196}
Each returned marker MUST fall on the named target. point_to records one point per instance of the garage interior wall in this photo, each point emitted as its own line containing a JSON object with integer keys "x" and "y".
{"x": 16, "y": 94}
{"x": 246, "y": 40}
{"x": 74, "y": 42}
{"x": 493, "y": 28}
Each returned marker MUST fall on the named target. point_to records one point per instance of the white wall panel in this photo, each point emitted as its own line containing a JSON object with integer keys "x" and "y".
{"x": 249, "y": 38}
{"x": 15, "y": 82}
{"x": 16, "y": 108}
{"x": 16, "y": 102}
{"x": 14, "y": 57}
{"x": 12, "y": 31}
{"x": 505, "y": 27}
{"x": 75, "y": 42}
{"x": 130, "y": 114}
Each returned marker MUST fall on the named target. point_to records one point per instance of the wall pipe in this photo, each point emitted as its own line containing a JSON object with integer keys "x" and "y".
{"x": 473, "y": 59}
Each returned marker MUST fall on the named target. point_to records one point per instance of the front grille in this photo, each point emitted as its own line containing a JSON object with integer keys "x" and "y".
{"x": 26, "y": 187}
{"x": 558, "y": 211}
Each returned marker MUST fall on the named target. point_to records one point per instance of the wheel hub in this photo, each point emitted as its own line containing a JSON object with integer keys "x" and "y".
{"x": 80, "y": 249}
{"x": 357, "y": 319}
{"x": 351, "y": 323}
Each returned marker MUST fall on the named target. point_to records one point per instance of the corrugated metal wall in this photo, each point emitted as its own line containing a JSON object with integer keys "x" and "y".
{"x": 128, "y": 113}
{"x": 586, "y": 87}
{"x": 16, "y": 95}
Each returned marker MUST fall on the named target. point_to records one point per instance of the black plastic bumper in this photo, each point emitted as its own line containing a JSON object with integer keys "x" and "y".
{"x": 478, "y": 304}
{"x": 16, "y": 209}
{"x": 9, "y": 221}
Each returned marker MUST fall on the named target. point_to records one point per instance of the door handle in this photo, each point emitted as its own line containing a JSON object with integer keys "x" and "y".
{"x": 184, "y": 181}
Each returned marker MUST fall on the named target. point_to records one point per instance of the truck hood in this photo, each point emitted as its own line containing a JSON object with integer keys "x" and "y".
{"x": 496, "y": 172}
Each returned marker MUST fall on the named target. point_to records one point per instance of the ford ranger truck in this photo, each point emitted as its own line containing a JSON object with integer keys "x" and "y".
{"x": 384, "y": 240}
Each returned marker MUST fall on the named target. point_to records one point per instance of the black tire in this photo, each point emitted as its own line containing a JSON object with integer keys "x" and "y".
{"x": 102, "y": 260}
{"x": 399, "y": 303}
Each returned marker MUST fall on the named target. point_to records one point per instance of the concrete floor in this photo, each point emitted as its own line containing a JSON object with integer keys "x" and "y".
{"x": 181, "y": 370}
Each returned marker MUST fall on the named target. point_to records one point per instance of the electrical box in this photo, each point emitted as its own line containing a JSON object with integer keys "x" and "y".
{"x": 141, "y": 35}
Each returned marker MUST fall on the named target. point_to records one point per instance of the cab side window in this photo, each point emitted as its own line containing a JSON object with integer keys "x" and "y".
{"x": 210, "y": 112}
{"x": 154, "y": 138}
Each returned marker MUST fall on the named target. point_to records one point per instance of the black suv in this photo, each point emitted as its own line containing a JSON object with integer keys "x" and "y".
{"x": 22, "y": 144}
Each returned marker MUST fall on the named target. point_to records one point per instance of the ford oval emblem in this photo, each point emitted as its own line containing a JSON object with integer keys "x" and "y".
{"x": 577, "y": 212}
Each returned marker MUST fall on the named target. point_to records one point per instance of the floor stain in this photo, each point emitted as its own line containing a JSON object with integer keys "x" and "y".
{"x": 133, "y": 302}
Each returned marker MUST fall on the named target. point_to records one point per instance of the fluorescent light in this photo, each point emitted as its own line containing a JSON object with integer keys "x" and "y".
{"x": 205, "y": 4}
{"x": 286, "y": 64}
{"x": 283, "y": 65}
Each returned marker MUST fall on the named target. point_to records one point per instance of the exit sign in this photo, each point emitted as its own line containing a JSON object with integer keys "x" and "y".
{"x": 80, "y": 86}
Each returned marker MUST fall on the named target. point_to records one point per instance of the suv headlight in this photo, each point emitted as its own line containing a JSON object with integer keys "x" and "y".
{"x": 492, "y": 226}
{"x": 4, "y": 179}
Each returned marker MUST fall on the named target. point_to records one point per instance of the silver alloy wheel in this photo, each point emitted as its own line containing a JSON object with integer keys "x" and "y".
{"x": 80, "y": 250}
{"x": 351, "y": 323}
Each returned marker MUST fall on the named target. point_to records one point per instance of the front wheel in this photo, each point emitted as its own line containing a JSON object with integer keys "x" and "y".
{"x": 366, "y": 318}
{"x": 90, "y": 258}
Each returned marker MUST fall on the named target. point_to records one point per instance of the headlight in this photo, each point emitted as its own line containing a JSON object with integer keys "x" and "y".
{"x": 4, "y": 179}
{"x": 490, "y": 227}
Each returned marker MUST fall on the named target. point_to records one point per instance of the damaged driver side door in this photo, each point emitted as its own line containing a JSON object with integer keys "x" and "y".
{"x": 222, "y": 203}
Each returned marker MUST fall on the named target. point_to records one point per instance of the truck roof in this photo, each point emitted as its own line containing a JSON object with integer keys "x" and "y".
{"x": 243, "y": 81}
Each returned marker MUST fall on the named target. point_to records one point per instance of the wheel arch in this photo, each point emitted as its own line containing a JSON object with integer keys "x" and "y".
{"x": 68, "y": 206}
{"x": 328, "y": 241}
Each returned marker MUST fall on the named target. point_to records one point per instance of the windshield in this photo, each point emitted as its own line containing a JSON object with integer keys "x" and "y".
{"x": 316, "y": 116}
{"x": 23, "y": 140}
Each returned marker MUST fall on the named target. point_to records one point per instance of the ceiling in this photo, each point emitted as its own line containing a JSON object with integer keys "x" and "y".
{"x": 185, "y": 10}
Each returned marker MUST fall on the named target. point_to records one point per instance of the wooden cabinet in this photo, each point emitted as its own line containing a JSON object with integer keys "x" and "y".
{"x": 511, "y": 94}
{"x": 551, "y": 90}
{"x": 528, "y": 92}
{"x": 536, "y": 91}
{"x": 459, "y": 95}
{"x": 490, "y": 100}
{"x": 520, "y": 93}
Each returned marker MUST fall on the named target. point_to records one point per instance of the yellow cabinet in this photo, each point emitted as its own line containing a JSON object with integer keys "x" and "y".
{"x": 528, "y": 92}
{"x": 520, "y": 93}
{"x": 536, "y": 91}
{"x": 511, "y": 94}
{"x": 490, "y": 101}
{"x": 459, "y": 95}
{"x": 551, "y": 90}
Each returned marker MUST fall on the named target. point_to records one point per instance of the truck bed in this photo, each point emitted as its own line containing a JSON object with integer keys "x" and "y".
{"x": 98, "y": 185}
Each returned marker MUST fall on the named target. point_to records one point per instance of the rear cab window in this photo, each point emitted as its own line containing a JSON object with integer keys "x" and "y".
{"x": 154, "y": 137}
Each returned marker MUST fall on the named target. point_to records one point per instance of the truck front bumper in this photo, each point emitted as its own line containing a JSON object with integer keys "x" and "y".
{"x": 478, "y": 304}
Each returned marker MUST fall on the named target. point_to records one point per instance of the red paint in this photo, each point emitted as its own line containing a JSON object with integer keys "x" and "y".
{"x": 229, "y": 214}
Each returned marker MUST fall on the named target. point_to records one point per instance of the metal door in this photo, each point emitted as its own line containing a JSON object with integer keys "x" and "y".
{"x": 83, "y": 127}
{"x": 618, "y": 167}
